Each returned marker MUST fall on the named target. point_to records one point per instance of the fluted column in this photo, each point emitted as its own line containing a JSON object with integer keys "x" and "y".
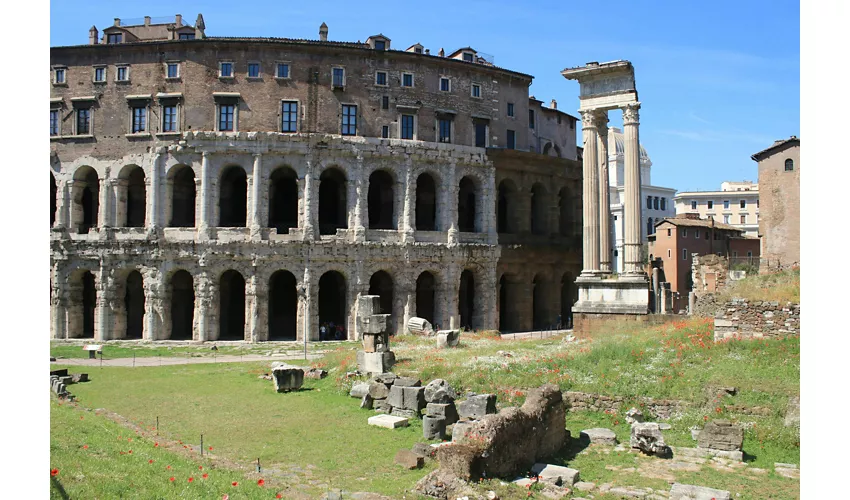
{"x": 204, "y": 226}
{"x": 604, "y": 202}
{"x": 154, "y": 218}
{"x": 631, "y": 193}
{"x": 590, "y": 196}
{"x": 256, "y": 181}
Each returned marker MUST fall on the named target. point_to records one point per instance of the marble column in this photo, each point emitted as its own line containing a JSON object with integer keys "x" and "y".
{"x": 360, "y": 191}
{"x": 310, "y": 211}
{"x": 631, "y": 193}
{"x": 154, "y": 309}
{"x": 590, "y": 196}
{"x": 450, "y": 191}
{"x": 409, "y": 211}
{"x": 62, "y": 203}
{"x": 204, "y": 305}
{"x": 256, "y": 182}
{"x": 105, "y": 292}
{"x": 306, "y": 319}
{"x": 604, "y": 202}
{"x": 154, "y": 219}
{"x": 252, "y": 309}
{"x": 58, "y": 302}
{"x": 204, "y": 227}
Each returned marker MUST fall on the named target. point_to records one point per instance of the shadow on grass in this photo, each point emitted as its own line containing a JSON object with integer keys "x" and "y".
{"x": 574, "y": 446}
{"x": 749, "y": 458}
{"x": 58, "y": 487}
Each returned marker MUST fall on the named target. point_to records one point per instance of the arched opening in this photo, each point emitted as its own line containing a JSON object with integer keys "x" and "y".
{"x": 381, "y": 283}
{"x": 86, "y": 196}
{"x": 539, "y": 209}
{"x": 381, "y": 200}
{"x": 426, "y": 203}
{"x": 332, "y": 303}
{"x": 426, "y": 287}
{"x": 233, "y": 198}
{"x": 789, "y": 165}
{"x": 466, "y": 299}
{"x": 283, "y": 306}
{"x": 466, "y": 206}
{"x": 232, "y": 306}
{"x": 332, "y": 201}
{"x": 89, "y": 301}
{"x": 131, "y": 197}
{"x": 565, "y": 209}
{"x": 568, "y": 298}
{"x": 134, "y": 305}
{"x": 506, "y": 208}
{"x": 53, "y": 192}
{"x": 283, "y": 200}
{"x": 649, "y": 226}
{"x": 504, "y": 297}
{"x": 538, "y": 305}
{"x": 181, "y": 183}
{"x": 182, "y": 305}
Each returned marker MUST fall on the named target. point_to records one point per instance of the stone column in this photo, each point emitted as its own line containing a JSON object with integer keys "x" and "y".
{"x": 103, "y": 302}
{"x": 631, "y": 193}
{"x": 58, "y": 303}
{"x": 360, "y": 190}
{"x": 62, "y": 202}
{"x": 204, "y": 231}
{"x": 408, "y": 223}
{"x": 408, "y": 304}
{"x": 605, "y": 252}
{"x": 107, "y": 193}
{"x": 490, "y": 297}
{"x": 590, "y": 196}
{"x": 204, "y": 312}
{"x": 252, "y": 309}
{"x": 153, "y": 305}
{"x": 451, "y": 319}
{"x": 305, "y": 293}
{"x": 490, "y": 208}
{"x": 310, "y": 211}
{"x": 256, "y": 181}
{"x": 450, "y": 206}
{"x": 119, "y": 201}
{"x": 154, "y": 216}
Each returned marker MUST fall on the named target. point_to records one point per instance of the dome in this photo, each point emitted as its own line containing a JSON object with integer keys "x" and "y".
{"x": 619, "y": 140}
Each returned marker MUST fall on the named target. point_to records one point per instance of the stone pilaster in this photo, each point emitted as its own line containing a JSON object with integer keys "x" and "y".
{"x": 590, "y": 195}
{"x": 605, "y": 252}
{"x": 252, "y": 310}
{"x": 451, "y": 317}
{"x": 491, "y": 196}
{"x": 631, "y": 193}
{"x": 256, "y": 197}
{"x": 119, "y": 200}
{"x": 204, "y": 228}
{"x": 489, "y": 296}
{"x": 108, "y": 203}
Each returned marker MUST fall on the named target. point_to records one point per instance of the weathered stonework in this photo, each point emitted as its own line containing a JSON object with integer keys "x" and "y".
{"x": 658, "y": 408}
{"x": 742, "y": 319}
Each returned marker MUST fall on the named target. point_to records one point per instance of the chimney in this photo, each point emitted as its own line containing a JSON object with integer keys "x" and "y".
{"x": 323, "y": 32}
{"x": 117, "y": 21}
{"x": 147, "y": 20}
{"x": 442, "y": 52}
{"x": 200, "y": 27}
{"x": 178, "y": 20}
{"x": 553, "y": 104}
{"x": 93, "y": 36}
{"x": 427, "y": 52}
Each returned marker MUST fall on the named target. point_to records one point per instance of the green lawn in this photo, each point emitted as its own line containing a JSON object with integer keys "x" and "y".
{"x": 72, "y": 349}
{"x": 782, "y": 286}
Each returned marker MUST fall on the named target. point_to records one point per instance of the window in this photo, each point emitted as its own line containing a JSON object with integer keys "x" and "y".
{"x": 226, "y": 117}
{"x": 339, "y": 77}
{"x": 253, "y": 70}
{"x": 59, "y": 76}
{"x": 709, "y": 205}
{"x": 511, "y": 139}
{"x": 734, "y": 254}
{"x": 289, "y": 116}
{"x": 407, "y": 79}
{"x": 445, "y": 127}
{"x": 114, "y": 37}
{"x": 282, "y": 70}
{"x": 169, "y": 118}
{"x": 706, "y": 235}
{"x": 139, "y": 119}
{"x": 789, "y": 165}
{"x": 445, "y": 85}
{"x": 225, "y": 70}
{"x": 467, "y": 56}
{"x": 418, "y": 50}
{"x": 83, "y": 121}
{"x": 743, "y": 219}
{"x": 476, "y": 90}
{"x": 663, "y": 203}
{"x": 530, "y": 118}
{"x": 122, "y": 73}
{"x": 749, "y": 253}
{"x": 407, "y": 126}
{"x": 480, "y": 134}
{"x": 684, "y": 254}
{"x": 385, "y": 102}
{"x": 385, "y": 131}
{"x": 510, "y": 109}
{"x": 726, "y": 204}
{"x": 757, "y": 203}
{"x": 696, "y": 234}
{"x": 649, "y": 202}
{"x": 669, "y": 253}
{"x": 349, "y": 119}
{"x": 726, "y": 219}
{"x": 381, "y": 78}
{"x": 172, "y": 70}
{"x": 99, "y": 74}
{"x": 380, "y": 45}
{"x": 684, "y": 233}
{"x": 693, "y": 205}
{"x": 186, "y": 36}
{"x": 743, "y": 203}
{"x": 669, "y": 232}
{"x": 54, "y": 122}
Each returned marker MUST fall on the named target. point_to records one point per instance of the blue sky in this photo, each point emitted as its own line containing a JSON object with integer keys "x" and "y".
{"x": 717, "y": 81}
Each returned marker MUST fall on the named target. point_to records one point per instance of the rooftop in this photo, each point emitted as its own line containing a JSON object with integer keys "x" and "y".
{"x": 764, "y": 153}
{"x": 687, "y": 220}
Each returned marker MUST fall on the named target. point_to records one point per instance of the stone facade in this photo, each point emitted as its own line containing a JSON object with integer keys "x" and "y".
{"x": 779, "y": 222}
{"x": 584, "y": 401}
{"x": 754, "y": 320}
{"x": 257, "y": 234}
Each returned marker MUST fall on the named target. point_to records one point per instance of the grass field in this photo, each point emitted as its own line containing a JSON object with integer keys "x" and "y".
{"x": 783, "y": 286}
{"x": 73, "y": 349}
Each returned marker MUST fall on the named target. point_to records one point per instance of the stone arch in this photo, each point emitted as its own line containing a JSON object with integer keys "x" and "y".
{"x": 131, "y": 197}
{"x": 332, "y": 300}
{"x": 283, "y": 306}
{"x": 283, "y": 199}
{"x": 506, "y": 208}
{"x": 231, "y": 306}
{"x": 53, "y": 194}
{"x": 565, "y": 211}
{"x": 539, "y": 209}
{"x": 180, "y": 195}
{"x": 381, "y": 200}
{"x": 86, "y": 199}
{"x": 381, "y": 283}
{"x": 134, "y": 305}
{"x": 426, "y": 296}
{"x": 83, "y": 301}
{"x": 648, "y": 226}
{"x": 426, "y": 203}
{"x": 466, "y": 299}
{"x": 182, "y": 288}
{"x": 233, "y": 197}
{"x": 333, "y": 204}
{"x": 467, "y": 209}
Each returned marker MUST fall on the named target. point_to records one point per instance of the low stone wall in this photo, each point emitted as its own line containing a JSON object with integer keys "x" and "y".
{"x": 754, "y": 320}
{"x": 658, "y": 408}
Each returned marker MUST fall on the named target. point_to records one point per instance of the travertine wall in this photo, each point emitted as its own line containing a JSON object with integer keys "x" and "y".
{"x": 779, "y": 222}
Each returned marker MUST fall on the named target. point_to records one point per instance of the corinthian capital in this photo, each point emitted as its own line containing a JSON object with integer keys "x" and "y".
{"x": 588, "y": 119}
{"x": 630, "y": 114}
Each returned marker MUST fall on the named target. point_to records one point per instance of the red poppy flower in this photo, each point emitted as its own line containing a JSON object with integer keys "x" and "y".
{"x": 278, "y": 496}
{"x": 205, "y": 475}
{"x": 81, "y": 417}
{"x": 171, "y": 479}
{"x": 191, "y": 479}
{"x": 150, "y": 461}
{"x": 181, "y": 442}
{"x": 130, "y": 452}
{"x": 156, "y": 445}
{"x": 129, "y": 439}
{"x": 210, "y": 448}
{"x": 85, "y": 447}
{"x": 234, "y": 483}
{"x": 168, "y": 467}
{"x": 54, "y": 472}
{"x": 261, "y": 482}
{"x": 185, "y": 446}
{"x": 200, "y": 467}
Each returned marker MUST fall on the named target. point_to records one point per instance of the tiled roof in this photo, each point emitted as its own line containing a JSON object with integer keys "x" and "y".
{"x": 685, "y": 222}
{"x": 764, "y": 152}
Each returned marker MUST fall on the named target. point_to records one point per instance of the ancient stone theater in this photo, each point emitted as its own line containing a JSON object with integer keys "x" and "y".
{"x": 242, "y": 188}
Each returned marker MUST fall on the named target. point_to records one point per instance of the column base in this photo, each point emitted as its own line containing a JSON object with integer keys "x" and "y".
{"x": 623, "y": 295}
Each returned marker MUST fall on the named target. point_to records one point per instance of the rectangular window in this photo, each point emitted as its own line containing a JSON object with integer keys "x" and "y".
{"x": 510, "y": 109}
{"x": 338, "y": 77}
{"x": 743, "y": 219}
{"x": 663, "y": 203}
{"x": 684, "y": 233}
{"x": 696, "y": 233}
{"x": 407, "y": 126}
{"x": 100, "y": 74}
{"x": 122, "y": 73}
{"x": 511, "y": 139}
{"x": 684, "y": 254}
{"x": 254, "y": 70}
{"x": 480, "y": 135}
{"x": 385, "y": 131}
{"x": 743, "y": 203}
{"x": 649, "y": 202}
{"x": 349, "y": 119}
{"x": 225, "y": 70}
{"x": 282, "y": 70}
{"x": 669, "y": 232}
{"x": 59, "y": 76}
{"x": 726, "y": 219}
{"x": 54, "y": 122}
{"x": 380, "y": 45}
{"x": 289, "y": 116}
{"x": 709, "y": 204}
{"x": 381, "y": 78}
{"x": 186, "y": 36}
{"x": 172, "y": 70}
{"x": 113, "y": 38}
{"x": 83, "y": 121}
{"x": 385, "y": 102}
{"x": 530, "y": 118}
{"x": 169, "y": 118}
{"x": 693, "y": 205}
{"x": 669, "y": 253}
{"x": 226, "y": 114}
{"x": 467, "y": 57}
{"x": 445, "y": 85}
{"x": 445, "y": 127}
{"x": 407, "y": 79}
{"x": 726, "y": 204}
{"x": 476, "y": 90}
{"x": 655, "y": 202}
{"x": 139, "y": 119}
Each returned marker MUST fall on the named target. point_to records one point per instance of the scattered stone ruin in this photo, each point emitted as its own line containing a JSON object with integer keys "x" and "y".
{"x": 376, "y": 356}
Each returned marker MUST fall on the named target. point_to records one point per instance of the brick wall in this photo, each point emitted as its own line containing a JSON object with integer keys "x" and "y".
{"x": 740, "y": 318}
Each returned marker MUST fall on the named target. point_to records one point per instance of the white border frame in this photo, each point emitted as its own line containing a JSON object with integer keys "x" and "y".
{"x": 94, "y": 69}
{"x": 440, "y": 87}
{"x": 125, "y": 66}
{"x": 259, "y": 70}
{"x": 232, "y": 69}
{"x": 288, "y": 70}
{"x": 179, "y": 71}
{"x": 344, "y": 76}
{"x": 415, "y": 126}
{"x": 386, "y": 78}
{"x": 356, "y": 118}
{"x": 235, "y": 117}
{"x": 412, "y": 80}
{"x": 480, "y": 95}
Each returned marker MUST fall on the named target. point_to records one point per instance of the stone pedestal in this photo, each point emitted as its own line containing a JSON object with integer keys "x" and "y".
{"x": 375, "y": 363}
{"x": 626, "y": 295}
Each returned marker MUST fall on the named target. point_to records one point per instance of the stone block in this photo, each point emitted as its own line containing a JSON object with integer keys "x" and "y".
{"x": 80, "y": 377}
{"x": 477, "y": 406}
{"x": 359, "y": 390}
{"x": 378, "y": 390}
{"x": 555, "y": 474}
{"x": 439, "y": 391}
{"x": 598, "y": 435}
{"x": 414, "y": 398}
{"x": 316, "y": 373}
{"x": 403, "y": 412}
{"x": 419, "y": 326}
{"x": 287, "y": 377}
{"x": 367, "y": 402}
{"x": 634, "y": 415}
{"x": 368, "y": 305}
{"x": 721, "y": 435}
{"x": 792, "y": 413}
{"x": 375, "y": 362}
{"x": 433, "y": 427}
{"x": 447, "y": 410}
{"x": 62, "y": 372}
{"x": 67, "y": 380}
{"x": 396, "y": 396}
{"x": 407, "y": 382}
{"x": 388, "y": 421}
{"x": 385, "y": 378}
{"x": 460, "y": 430}
{"x": 409, "y": 460}
{"x": 691, "y": 492}
{"x": 447, "y": 338}
{"x": 381, "y": 406}
{"x": 646, "y": 436}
